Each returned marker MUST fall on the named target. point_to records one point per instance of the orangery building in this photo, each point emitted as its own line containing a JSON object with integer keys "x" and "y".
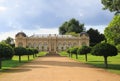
{"x": 51, "y": 42}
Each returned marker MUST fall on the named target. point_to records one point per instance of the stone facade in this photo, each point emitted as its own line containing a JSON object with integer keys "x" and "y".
{"x": 51, "y": 42}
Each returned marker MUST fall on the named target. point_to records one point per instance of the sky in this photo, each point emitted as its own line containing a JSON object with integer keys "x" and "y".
{"x": 46, "y": 16}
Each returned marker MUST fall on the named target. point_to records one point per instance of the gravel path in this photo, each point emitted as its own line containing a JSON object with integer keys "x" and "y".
{"x": 57, "y": 69}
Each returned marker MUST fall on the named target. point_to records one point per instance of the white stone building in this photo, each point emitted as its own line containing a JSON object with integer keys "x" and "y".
{"x": 51, "y": 42}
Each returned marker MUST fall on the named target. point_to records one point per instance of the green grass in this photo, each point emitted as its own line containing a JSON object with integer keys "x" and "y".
{"x": 63, "y": 53}
{"x": 7, "y": 64}
{"x": 98, "y": 61}
{"x": 42, "y": 53}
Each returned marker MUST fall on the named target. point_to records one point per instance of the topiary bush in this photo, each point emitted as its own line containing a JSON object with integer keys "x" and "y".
{"x": 118, "y": 47}
{"x": 84, "y": 50}
{"x": 105, "y": 50}
{"x": 20, "y": 51}
{"x": 6, "y": 51}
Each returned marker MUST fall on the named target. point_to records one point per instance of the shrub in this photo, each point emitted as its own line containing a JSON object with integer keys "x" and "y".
{"x": 105, "y": 50}
{"x": 84, "y": 50}
{"x": 6, "y": 51}
{"x": 20, "y": 51}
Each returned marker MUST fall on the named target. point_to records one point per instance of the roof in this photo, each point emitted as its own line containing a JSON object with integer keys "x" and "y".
{"x": 21, "y": 33}
{"x": 84, "y": 33}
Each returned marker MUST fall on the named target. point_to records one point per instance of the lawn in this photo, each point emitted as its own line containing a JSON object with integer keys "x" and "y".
{"x": 7, "y": 64}
{"x": 98, "y": 61}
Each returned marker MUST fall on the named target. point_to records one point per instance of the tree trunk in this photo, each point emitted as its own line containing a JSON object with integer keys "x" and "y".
{"x": 0, "y": 63}
{"x": 28, "y": 57}
{"x": 69, "y": 54}
{"x": 76, "y": 56}
{"x": 86, "y": 57}
{"x": 19, "y": 58}
{"x": 105, "y": 61}
{"x": 33, "y": 56}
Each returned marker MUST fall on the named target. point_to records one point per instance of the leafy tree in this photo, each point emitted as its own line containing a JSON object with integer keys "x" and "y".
{"x": 112, "y": 32}
{"x": 69, "y": 52}
{"x": 71, "y": 26}
{"x": 112, "y": 5}
{"x": 73, "y": 34}
{"x": 20, "y": 51}
{"x": 105, "y": 50}
{"x": 118, "y": 47}
{"x": 35, "y": 51}
{"x": 9, "y": 41}
{"x": 29, "y": 52}
{"x": 95, "y": 36}
{"x": 73, "y": 50}
{"x": 6, "y": 52}
{"x": 84, "y": 50}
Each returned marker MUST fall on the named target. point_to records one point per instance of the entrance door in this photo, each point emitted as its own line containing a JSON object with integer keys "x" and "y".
{"x": 52, "y": 46}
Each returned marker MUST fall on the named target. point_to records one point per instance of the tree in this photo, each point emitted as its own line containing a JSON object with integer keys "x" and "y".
{"x": 9, "y": 41}
{"x": 29, "y": 52}
{"x": 95, "y": 36}
{"x": 35, "y": 51}
{"x": 6, "y": 52}
{"x": 20, "y": 51}
{"x": 112, "y": 32}
{"x": 84, "y": 50}
{"x": 72, "y": 25}
{"x": 73, "y": 34}
{"x": 69, "y": 51}
{"x": 105, "y": 50}
{"x": 112, "y": 5}
{"x": 118, "y": 47}
{"x": 73, "y": 50}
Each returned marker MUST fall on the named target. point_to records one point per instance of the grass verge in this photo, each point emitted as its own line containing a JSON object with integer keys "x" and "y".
{"x": 98, "y": 61}
{"x": 7, "y": 64}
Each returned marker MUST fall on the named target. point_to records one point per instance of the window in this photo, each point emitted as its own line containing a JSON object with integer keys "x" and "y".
{"x": 20, "y": 44}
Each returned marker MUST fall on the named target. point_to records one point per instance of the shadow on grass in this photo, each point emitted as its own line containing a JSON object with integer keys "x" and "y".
{"x": 110, "y": 66}
{"x": 96, "y": 61}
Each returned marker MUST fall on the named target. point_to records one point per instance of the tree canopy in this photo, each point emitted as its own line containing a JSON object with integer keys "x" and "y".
{"x": 72, "y": 25}
{"x": 112, "y": 32}
{"x": 9, "y": 41}
{"x": 84, "y": 50}
{"x": 95, "y": 36}
{"x": 105, "y": 50}
{"x": 112, "y": 5}
{"x": 6, "y": 51}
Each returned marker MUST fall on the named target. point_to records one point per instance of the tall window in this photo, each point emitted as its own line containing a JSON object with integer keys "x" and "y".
{"x": 84, "y": 44}
{"x": 20, "y": 44}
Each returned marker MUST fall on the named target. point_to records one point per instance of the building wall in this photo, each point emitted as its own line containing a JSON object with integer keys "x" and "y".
{"x": 51, "y": 43}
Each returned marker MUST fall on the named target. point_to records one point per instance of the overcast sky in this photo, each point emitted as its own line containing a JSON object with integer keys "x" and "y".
{"x": 45, "y": 16}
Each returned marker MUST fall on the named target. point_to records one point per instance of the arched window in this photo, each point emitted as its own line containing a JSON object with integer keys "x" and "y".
{"x": 29, "y": 45}
{"x": 64, "y": 46}
{"x": 20, "y": 44}
{"x": 40, "y": 46}
{"x": 84, "y": 44}
{"x": 74, "y": 44}
{"x": 35, "y": 45}
{"x": 45, "y": 46}
{"x": 59, "y": 46}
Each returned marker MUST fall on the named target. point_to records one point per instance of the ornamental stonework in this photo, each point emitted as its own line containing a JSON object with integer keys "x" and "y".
{"x": 51, "y": 42}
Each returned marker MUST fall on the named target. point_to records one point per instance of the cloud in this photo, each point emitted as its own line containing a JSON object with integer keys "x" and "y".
{"x": 2, "y": 9}
{"x": 4, "y": 35}
{"x": 36, "y": 14}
